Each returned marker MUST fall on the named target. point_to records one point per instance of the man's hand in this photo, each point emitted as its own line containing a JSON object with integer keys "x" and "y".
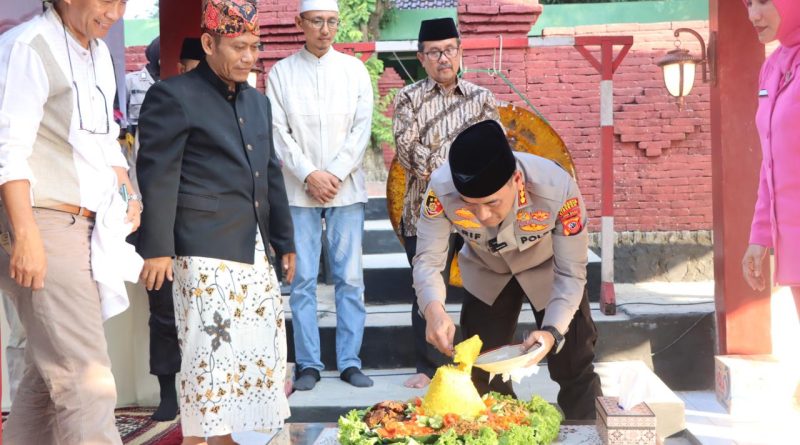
{"x": 751, "y": 266}
{"x": 28, "y": 265}
{"x": 154, "y": 272}
{"x": 288, "y": 263}
{"x": 547, "y": 343}
{"x": 440, "y": 329}
{"x": 134, "y": 215}
{"x": 322, "y": 186}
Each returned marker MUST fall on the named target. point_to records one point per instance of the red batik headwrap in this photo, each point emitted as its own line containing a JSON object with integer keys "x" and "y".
{"x": 230, "y": 18}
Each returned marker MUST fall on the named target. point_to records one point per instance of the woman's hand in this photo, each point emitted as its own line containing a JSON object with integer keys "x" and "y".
{"x": 752, "y": 264}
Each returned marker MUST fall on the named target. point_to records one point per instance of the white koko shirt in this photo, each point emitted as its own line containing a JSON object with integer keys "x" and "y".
{"x": 32, "y": 56}
{"x": 321, "y": 118}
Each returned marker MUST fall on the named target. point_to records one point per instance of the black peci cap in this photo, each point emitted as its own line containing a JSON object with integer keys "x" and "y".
{"x": 192, "y": 49}
{"x": 481, "y": 160}
{"x": 437, "y": 29}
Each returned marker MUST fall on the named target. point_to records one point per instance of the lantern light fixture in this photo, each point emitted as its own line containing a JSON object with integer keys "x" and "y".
{"x": 679, "y": 67}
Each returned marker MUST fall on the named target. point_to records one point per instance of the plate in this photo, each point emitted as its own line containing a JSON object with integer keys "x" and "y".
{"x": 507, "y": 358}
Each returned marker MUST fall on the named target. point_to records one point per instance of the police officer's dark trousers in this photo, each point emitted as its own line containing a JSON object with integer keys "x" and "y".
{"x": 571, "y": 368}
{"x": 426, "y": 356}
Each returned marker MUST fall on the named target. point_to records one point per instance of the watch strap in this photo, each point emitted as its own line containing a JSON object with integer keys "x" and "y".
{"x": 559, "y": 339}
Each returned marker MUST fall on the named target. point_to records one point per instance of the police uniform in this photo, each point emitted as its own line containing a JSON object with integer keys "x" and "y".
{"x": 137, "y": 84}
{"x": 539, "y": 251}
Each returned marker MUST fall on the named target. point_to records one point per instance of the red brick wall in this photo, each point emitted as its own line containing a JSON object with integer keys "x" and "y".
{"x": 280, "y": 35}
{"x": 662, "y": 155}
{"x": 492, "y": 17}
{"x": 135, "y": 58}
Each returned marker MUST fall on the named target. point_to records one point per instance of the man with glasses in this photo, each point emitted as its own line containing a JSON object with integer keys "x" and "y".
{"x": 322, "y": 104}
{"x": 428, "y": 115}
{"x": 60, "y": 163}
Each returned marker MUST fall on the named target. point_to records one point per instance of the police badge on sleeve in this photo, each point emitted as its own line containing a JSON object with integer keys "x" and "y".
{"x": 432, "y": 207}
{"x": 570, "y": 217}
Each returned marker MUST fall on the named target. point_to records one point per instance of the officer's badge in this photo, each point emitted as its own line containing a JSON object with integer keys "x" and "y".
{"x": 467, "y": 224}
{"x": 527, "y": 221}
{"x": 522, "y": 198}
{"x": 433, "y": 207}
{"x": 464, "y": 213}
{"x": 570, "y": 217}
{"x": 540, "y": 215}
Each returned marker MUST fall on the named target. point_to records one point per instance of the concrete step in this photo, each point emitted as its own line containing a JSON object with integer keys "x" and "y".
{"x": 676, "y": 341}
{"x": 332, "y": 397}
{"x": 376, "y": 208}
{"x": 379, "y": 237}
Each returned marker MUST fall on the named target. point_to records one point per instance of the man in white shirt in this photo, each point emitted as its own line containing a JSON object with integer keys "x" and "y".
{"x": 59, "y": 164}
{"x": 322, "y": 115}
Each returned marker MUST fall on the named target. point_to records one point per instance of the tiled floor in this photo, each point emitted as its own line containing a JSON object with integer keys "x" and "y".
{"x": 710, "y": 423}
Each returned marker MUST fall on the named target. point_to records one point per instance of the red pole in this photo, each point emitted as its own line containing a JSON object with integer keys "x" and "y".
{"x": 606, "y": 66}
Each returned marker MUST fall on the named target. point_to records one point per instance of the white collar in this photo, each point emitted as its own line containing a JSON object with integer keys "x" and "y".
{"x": 308, "y": 55}
{"x": 54, "y": 19}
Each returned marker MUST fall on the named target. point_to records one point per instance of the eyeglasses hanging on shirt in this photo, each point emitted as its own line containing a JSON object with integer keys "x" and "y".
{"x": 93, "y": 124}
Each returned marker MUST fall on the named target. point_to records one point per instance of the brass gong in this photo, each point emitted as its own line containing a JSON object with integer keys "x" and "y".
{"x": 527, "y": 132}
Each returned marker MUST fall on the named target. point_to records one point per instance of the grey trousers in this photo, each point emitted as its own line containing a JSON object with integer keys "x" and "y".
{"x": 15, "y": 350}
{"x": 67, "y": 394}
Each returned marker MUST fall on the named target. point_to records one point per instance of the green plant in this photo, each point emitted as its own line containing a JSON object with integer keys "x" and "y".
{"x": 381, "y": 124}
{"x": 359, "y": 22}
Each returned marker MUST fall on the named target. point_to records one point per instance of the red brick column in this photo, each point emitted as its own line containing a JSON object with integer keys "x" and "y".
{"x": 389, "y": 80}
{"x": 491, "y": 17}
{"x": 135, "y": 58}
{"x": 279, "y": 34}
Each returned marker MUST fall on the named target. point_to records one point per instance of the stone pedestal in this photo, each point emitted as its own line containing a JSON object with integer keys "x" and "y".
{"x": 755, "y": 386}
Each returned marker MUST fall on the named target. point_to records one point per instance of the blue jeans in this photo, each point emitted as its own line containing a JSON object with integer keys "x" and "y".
{"x": 344, "y": 231}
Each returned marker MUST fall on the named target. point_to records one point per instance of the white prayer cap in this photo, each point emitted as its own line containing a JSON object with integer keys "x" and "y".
{"x": 318, "y": 5}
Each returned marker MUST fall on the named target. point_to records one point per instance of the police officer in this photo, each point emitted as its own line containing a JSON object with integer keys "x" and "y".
{"x": 139, "y": 82}
{"x": 524, "y": 224}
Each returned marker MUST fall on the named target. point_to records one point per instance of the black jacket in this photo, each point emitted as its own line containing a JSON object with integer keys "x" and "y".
{"x": 208, "y": 171}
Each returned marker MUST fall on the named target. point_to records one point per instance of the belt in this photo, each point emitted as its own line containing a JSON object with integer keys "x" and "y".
{"x": 71, "y": 209}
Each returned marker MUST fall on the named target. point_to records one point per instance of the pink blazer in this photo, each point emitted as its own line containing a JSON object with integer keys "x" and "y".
{"x": 776, "y": 221}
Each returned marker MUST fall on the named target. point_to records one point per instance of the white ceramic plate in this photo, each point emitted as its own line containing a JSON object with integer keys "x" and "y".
{"x": 507, "y": 358}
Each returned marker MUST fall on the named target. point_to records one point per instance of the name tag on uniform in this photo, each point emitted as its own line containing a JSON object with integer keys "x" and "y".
{"x": 763, "y": 93}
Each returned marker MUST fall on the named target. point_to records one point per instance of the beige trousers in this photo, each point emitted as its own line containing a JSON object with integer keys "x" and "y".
{"x": 67, "y": 394}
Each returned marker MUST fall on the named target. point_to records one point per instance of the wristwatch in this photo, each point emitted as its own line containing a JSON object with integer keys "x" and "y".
{"x": 557, "y": 336}
{"x": 137, "y": 197}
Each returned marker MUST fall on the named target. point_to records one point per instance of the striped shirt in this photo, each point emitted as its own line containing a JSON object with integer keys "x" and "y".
{"x": 426, "y": 120}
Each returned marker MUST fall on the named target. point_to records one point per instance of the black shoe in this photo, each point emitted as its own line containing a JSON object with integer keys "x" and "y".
{"x": 355, "y": 377}
{"x": 168, "y": 407}
{"x": 306, "y": 379}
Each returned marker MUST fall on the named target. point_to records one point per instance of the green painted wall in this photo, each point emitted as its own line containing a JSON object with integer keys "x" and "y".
{"x": 634, "y": 12}
{"x": 405, "y": 23}
{"x": 140, "y": 31}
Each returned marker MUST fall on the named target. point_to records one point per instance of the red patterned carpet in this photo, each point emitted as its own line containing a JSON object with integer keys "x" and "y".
{"x": 136, "y": 428}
